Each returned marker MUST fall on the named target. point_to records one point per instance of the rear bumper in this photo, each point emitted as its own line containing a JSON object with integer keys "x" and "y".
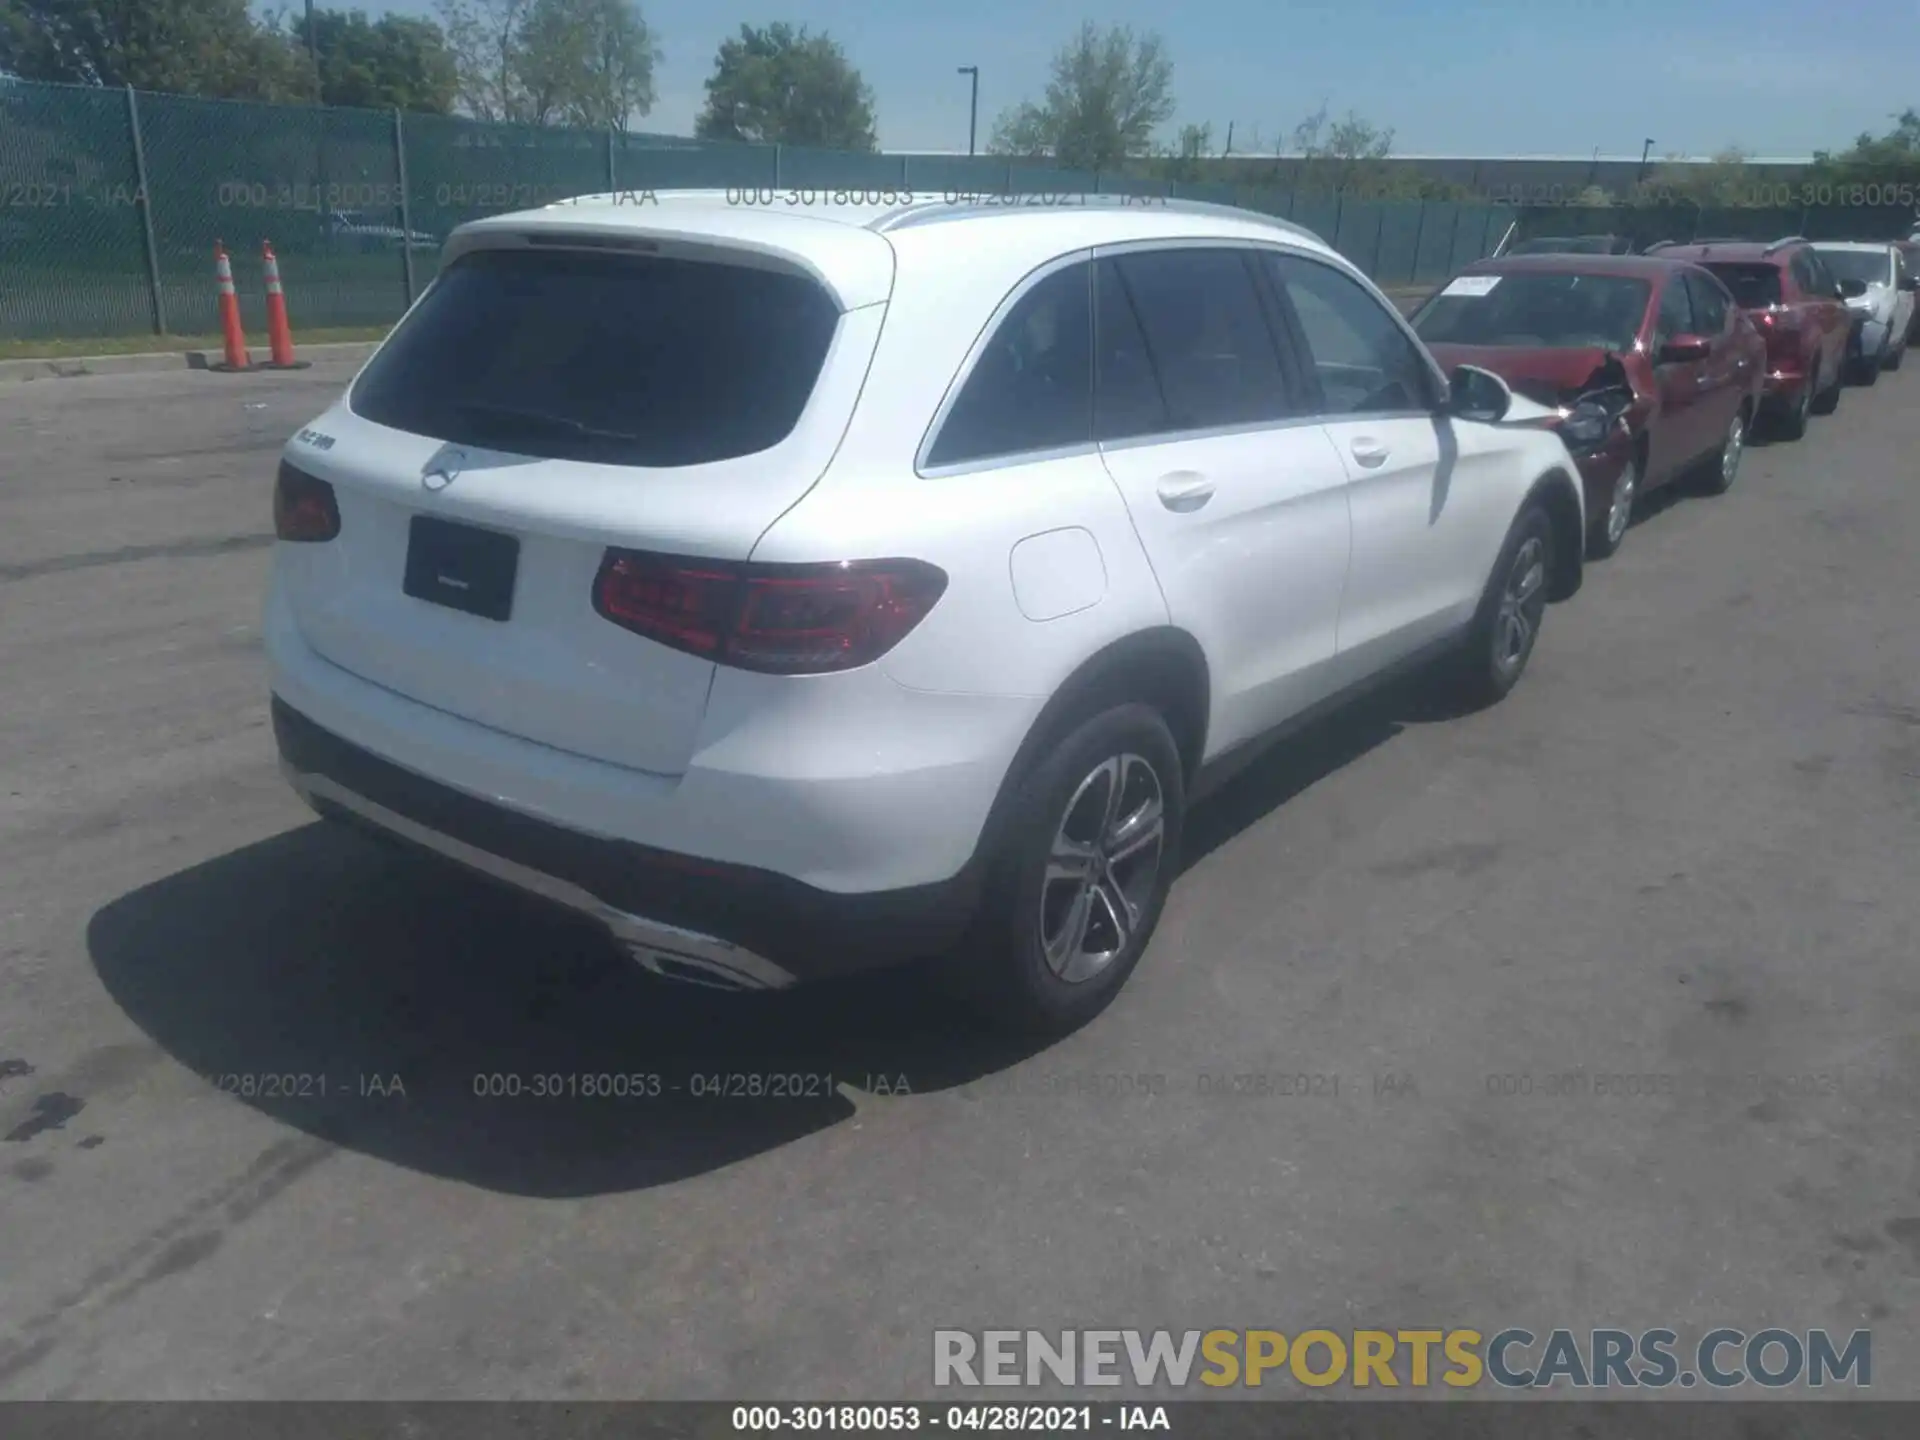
{"x": 688, "y": 919}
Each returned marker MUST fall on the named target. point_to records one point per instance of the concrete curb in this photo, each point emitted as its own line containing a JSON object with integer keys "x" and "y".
{"x": 70, "y": 367}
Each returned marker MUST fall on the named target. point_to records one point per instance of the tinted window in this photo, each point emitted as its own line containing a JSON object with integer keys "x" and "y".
{"x": 1032, "y": 386}
{"x": 1709, "y": 302}
{"x": 620, "y": 359}
{"x": 1869, "y": 267}
{"x": 1539, "y": 312}
{"x": 1127, "y": 398}
{"x": 1754, "y": 287}
{"x": 1676, "y": 313}
{"x": 1365, "y": 362}
{"x": 1206, "y": 335}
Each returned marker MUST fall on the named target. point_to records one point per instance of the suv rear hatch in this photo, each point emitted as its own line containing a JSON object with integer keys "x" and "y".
{"x": 1757, "y": 289}
{"x": 551, "y": 396}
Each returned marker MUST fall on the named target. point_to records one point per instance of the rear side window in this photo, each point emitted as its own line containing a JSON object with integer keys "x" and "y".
{"x": 1207, "y": 336}
{"x": 1031, "y": 389}
{"x": 616, "y": 359}
{"x": 1754, "y": 287}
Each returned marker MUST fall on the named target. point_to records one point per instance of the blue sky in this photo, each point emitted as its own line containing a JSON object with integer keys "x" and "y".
{"x": 1484, "y": 77}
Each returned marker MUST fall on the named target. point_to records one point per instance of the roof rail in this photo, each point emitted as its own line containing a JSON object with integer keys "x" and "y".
{"x": 932, "y": 212}
{"x": 1786, "y": 240}
{"x": 1659, "y": 245}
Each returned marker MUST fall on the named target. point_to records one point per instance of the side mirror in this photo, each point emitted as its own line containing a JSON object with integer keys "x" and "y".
{"x": 1683, "y": 348}
{"x": 1852, "y": 289}
{"x": 1476, "y": 394}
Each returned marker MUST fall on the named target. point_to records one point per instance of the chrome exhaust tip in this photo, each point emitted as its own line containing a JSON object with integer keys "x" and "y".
{"x": 692, "y": 970}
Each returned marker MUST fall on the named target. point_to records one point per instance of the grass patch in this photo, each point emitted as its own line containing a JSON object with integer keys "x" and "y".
{"x": 62, "y": 349}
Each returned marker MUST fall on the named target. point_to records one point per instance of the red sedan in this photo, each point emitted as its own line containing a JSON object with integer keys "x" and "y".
{"x": 1656, "y": 371}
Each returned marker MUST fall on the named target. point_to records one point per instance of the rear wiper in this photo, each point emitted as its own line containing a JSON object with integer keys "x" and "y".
{"x": 541, "y": 420}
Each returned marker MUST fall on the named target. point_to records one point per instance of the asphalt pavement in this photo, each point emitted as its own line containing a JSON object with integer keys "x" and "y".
{"x": 247, "y": 1148}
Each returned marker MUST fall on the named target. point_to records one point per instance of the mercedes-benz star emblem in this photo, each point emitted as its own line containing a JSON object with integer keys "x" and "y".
{"x": 443, "y": 469}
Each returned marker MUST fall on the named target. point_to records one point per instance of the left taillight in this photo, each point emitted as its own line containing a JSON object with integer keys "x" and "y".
{"x": 304, "y": 509}
{"x": 775, "y": 619}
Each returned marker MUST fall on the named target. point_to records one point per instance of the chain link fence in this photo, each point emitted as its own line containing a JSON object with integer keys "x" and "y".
{"x": 111, "y": 202}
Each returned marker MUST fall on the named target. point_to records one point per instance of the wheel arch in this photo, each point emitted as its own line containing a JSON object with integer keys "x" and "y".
{"x": 1557, "y": 492}
{"x": 1163, "y": 667}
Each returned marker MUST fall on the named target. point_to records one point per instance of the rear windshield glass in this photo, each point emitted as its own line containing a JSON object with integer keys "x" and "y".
{"x": 1753, "y": 286}
{"x": 618, "y": 359}
{"x": 1869, "y": 267}
{"x": 1539, "y": 312}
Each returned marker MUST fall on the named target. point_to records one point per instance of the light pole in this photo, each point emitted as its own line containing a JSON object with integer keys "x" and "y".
{"x": 1645, "y": 150}
{"x": 973, "y": 109}
{"x": 313, "y": 53}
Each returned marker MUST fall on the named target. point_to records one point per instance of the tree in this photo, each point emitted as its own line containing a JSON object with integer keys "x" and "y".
{"x": 779, "y": 85}
{"x": 484, "y": 37}
{"x": 617, "y": 53}
{"x": 212, "y": 48}
{"x": 1109, "y": 92}
{"x": 1890, "y": 158}
{"x": 1188, "y": 160}
{"x": 391, "y": 63}
{"x": 546, "y": 62}
{"x": 1721, "y": 181}
{"x": 1341, "y": 154}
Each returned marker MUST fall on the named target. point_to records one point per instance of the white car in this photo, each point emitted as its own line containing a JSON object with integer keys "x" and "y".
{"x": 1885, "y": 309}
{"x": 802, "y": 589}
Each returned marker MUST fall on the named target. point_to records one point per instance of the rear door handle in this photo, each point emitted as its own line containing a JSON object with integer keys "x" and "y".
{"x": 1369, "y": 452}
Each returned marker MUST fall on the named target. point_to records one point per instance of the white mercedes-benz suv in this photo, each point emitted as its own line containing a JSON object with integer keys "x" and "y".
{"x": 798, "y": 588}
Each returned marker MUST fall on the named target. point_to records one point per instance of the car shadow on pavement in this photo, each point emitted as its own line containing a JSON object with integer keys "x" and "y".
{"x": 1310, "y": 755}
{"x": 405, "y": 1010}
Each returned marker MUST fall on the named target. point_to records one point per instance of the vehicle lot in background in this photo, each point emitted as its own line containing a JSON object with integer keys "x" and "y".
{"x": 1657, "y": 372}
{"x": 1800, "y": 310}
{"x": 1884, "y": 312}
{"x": 1910, "y": 254}
{"x": 1683, "y": 848}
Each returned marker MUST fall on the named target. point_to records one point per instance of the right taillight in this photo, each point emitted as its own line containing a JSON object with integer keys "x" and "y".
{"x": 304, "y": 510}
{"x": 776, "y": 619}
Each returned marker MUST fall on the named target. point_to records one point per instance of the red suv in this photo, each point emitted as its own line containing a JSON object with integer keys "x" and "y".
{"x": 1653, "y": 368}
{"x": 1801, "y": 309}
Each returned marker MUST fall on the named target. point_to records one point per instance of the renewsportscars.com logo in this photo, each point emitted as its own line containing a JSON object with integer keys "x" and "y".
{"x": 1511, "y": 1359}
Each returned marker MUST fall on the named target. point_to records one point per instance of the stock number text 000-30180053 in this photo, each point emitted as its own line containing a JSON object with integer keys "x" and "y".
{"x": 1036, "y": 1419}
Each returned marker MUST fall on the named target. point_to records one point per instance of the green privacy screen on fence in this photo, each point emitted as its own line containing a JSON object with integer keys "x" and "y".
{"x": 111, "y": 201}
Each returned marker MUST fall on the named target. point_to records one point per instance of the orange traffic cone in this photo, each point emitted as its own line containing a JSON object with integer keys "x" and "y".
{"x": 233, "y": 335}
{"x": 279, "y": 333}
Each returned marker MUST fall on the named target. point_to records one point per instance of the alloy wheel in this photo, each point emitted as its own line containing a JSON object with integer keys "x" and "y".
{"x": 1735, "y": 447}
{"x": 1522, "y": 599}
{"x": 1103, "y": 867}
{"x": 1620, "y": 508}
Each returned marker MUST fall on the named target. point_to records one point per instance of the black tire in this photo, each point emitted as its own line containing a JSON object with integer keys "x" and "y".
{"x": 1869, "y": 369}
{"x": 1003, "y": 969}
{"x": 1895, "y": 356}
{"x": 1826, "y": 401}
{"x": 1791, "y": 424}
{"x": 1484, "y": 670}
